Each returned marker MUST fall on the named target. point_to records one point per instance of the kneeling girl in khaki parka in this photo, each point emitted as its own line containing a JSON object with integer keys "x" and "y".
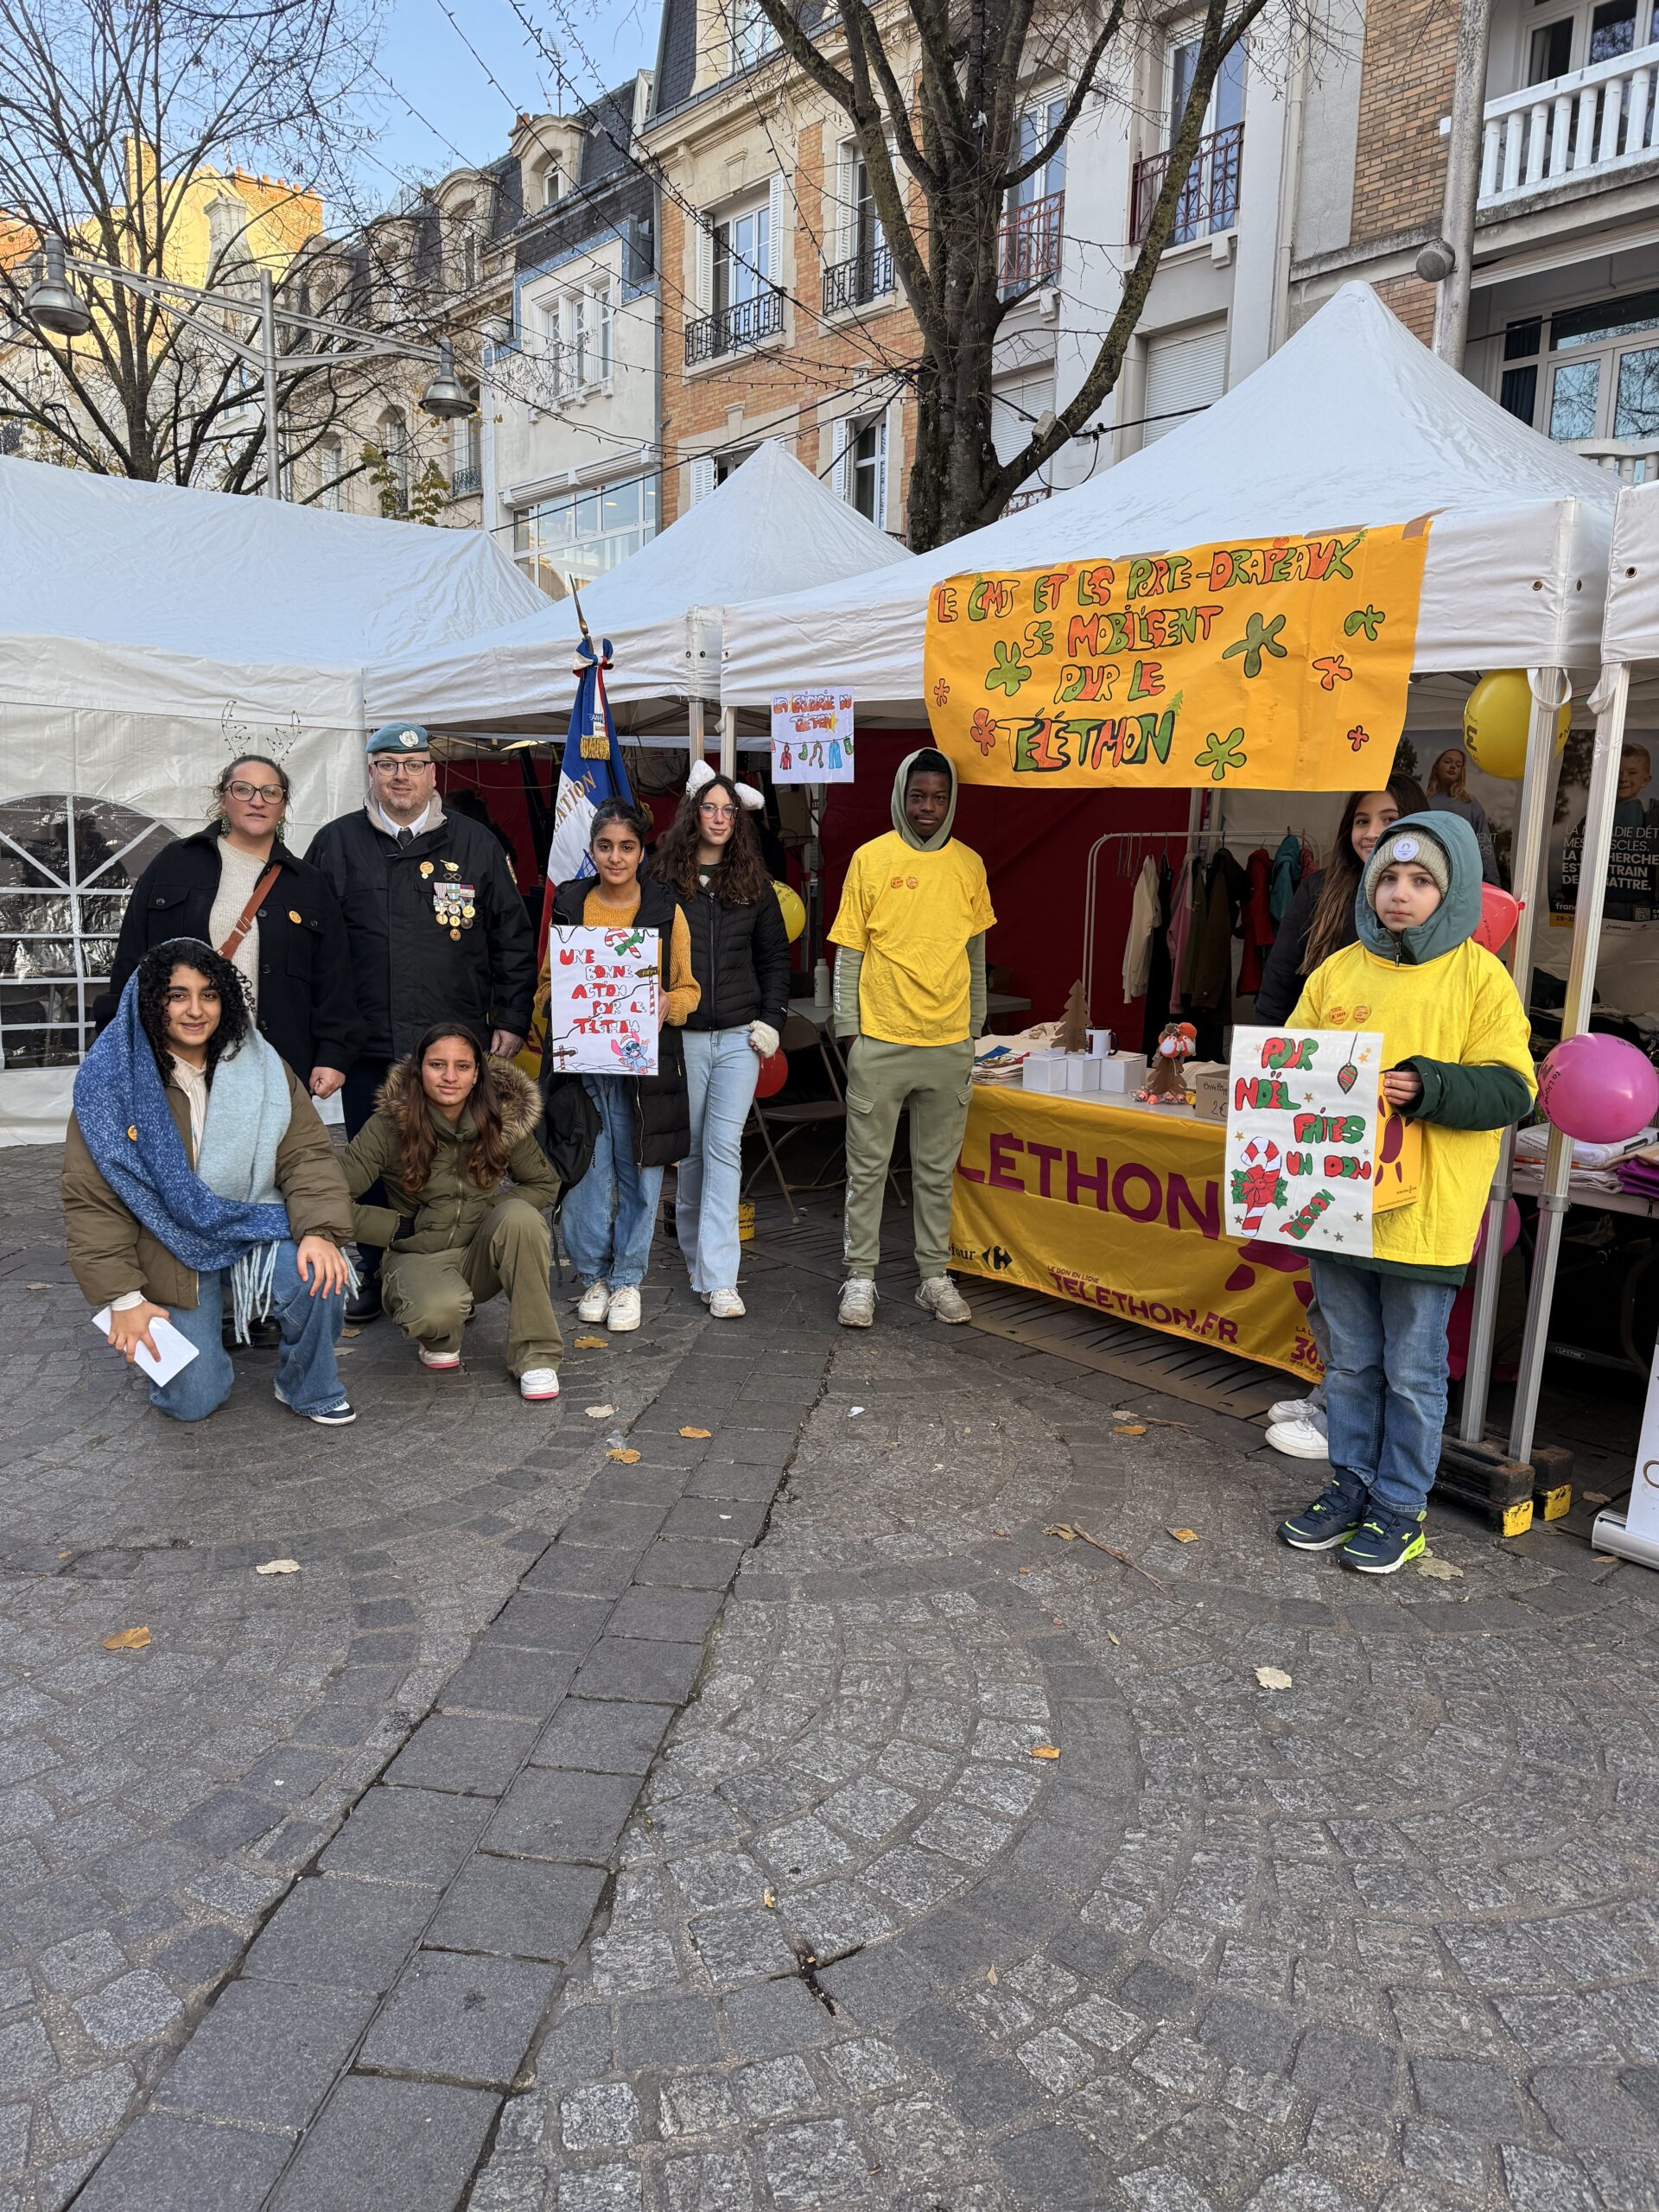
{"x": 449, "y": 1125}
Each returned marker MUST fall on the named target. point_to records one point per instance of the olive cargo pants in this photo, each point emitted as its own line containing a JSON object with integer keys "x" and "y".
{"x": 880, "y": 1079}
{"x": 431, "y": 1295}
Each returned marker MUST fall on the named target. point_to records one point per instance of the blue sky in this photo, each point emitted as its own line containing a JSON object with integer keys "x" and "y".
{"x": 603, "y": 42}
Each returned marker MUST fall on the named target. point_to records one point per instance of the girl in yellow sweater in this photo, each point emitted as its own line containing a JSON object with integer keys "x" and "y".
{"x": 645, "y": 1122}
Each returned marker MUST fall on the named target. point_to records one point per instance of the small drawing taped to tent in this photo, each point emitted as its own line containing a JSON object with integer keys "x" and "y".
{"x": 279, "y": 738}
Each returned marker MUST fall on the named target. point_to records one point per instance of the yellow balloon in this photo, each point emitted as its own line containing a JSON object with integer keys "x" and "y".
{"x": 1496, "y": 715}
{"x": 794, "y": 912}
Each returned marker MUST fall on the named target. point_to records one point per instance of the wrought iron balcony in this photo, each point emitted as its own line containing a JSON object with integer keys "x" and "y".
{"x": 464, "y": 482}
{"x": 1029, "y": 247}
{"x": 854, "y": 284}
{"x": 746, "y": 323}
{"x": 1208, "y": 200}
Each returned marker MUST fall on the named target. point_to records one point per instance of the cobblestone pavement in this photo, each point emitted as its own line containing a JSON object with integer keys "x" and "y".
{"x": 1381, "y": 1939}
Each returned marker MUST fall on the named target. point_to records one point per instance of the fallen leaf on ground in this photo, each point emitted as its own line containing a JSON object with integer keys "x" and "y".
{"x": 697, "y": 1431}
{"x": 599, "y": 1413}
{"x": 1062, "y": 1530}
{"x": 1003, "y": 1533}
{"x": 1602, "y": 1558}
{"x": 1273, "y": 1678}
{"x": 1044, "y": 1751}
{"x": 1110, "y": 1637}
{"x": 768, "y": 1900}
{"x": 1130, "y": 1428}
{"x": 991, "y": 1977}
{"x": 1595, "y": 1497}
{"x": 278, "y": 1566}
{"x": 1185, "y": 1536}
{"x": 1025, "y": 1570}
{"x": 592, "y": 1344}
{"x": 622, "y": 1453}
{"x": 37, "y": 1286}
{"x": 1440, "y": 1570}
{"x": 127, "y": 1639}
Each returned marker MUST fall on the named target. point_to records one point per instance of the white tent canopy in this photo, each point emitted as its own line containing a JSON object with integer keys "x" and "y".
{"x": 1352, "y": 422}
{"x": 771, "y": 526}
{"x": 1631, "y": 632}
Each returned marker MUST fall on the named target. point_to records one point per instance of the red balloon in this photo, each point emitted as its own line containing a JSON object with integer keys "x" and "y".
{"x": 774, "y": 1074}
{"x": 1599, "y": 1089}
{"x": 1499, "y": 912}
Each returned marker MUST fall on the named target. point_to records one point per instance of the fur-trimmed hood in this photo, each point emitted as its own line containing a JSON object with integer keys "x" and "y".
{"x": 519, "y": 1100}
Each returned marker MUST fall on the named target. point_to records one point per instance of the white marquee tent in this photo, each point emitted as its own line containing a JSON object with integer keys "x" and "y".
{"x": 1351, "y": 421}
{"x": 771, "y": 526}
{"x": 148, "y": 633}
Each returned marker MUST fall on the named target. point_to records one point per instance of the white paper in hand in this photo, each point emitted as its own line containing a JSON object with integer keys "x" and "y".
{"x": 174, "y": 1351}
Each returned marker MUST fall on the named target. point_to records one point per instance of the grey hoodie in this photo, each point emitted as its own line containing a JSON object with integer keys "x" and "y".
{"x": 848, "y": 963}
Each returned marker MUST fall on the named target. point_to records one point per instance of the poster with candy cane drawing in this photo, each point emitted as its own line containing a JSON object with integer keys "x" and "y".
{"x": 1312, "y": 1149}
{"x": 603, "y": 1012}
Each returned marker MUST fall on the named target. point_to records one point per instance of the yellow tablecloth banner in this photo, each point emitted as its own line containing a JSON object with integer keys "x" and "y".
{"x": 1119, "y": 1210}
{"x": 1279, "y": 664}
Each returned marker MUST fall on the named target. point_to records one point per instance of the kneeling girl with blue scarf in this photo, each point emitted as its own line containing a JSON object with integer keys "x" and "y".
{"x": 195, "y": 1162}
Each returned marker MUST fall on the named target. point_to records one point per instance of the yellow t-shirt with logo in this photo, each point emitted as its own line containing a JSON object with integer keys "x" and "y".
{"x": 910, "y": 914}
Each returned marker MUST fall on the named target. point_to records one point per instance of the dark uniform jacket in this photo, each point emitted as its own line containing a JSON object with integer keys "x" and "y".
{"x": 438, "y": 931}
{"x": 307, "y": 1008}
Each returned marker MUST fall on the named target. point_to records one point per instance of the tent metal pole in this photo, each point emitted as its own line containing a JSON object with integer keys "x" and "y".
{"x": 728, "y": 740}
{"x": 268, "y": 360}
{"x": 1531, "y": 842}
{"x": 1596, "y": 849}
{"x": 695, "y": 706}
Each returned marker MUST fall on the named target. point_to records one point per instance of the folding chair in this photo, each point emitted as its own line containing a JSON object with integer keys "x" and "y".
{"x": 799, "y": 1034}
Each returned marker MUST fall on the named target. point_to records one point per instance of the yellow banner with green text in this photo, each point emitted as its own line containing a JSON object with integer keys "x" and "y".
{"x": 1277, "y": 666}
{"x": 1121, "y": 1210}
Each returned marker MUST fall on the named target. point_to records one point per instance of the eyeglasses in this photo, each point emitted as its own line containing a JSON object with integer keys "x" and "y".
{"x": 718, "y": 813}
{"x": 400, "y": 765}
{"x": 270, "y": 792}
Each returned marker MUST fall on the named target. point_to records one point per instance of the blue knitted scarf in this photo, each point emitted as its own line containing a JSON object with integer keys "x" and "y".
{"x": 225, "y": 1212}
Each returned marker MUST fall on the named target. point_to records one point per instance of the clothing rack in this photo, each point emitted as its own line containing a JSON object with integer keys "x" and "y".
{"x": 1157, "y": 843}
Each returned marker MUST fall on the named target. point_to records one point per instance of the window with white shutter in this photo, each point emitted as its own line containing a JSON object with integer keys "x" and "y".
{"x": 702, "y": 477}
{"x": 1186, "y": 369}
{"x": 775, "y": 234}
{"x": 705, "y": 301}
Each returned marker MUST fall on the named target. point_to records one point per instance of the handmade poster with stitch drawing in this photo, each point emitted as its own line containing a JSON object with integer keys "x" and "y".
{"x": 604, "y": 1000}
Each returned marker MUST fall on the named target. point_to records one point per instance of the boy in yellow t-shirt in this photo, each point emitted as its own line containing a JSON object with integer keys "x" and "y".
{"x": 910, "y": 993}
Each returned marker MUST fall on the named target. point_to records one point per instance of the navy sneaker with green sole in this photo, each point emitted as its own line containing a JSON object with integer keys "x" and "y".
{"x": 1334, "y": 1515}
{"x": 1384, "y": 1542}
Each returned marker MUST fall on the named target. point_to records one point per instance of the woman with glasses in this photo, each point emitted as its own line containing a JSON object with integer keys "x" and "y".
{"x": 236, "y": 886}
{"x": 711, "y": 860}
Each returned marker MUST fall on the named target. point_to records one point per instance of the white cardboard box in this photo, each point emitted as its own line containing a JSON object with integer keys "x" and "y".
{"x": 1123, "y": 1073}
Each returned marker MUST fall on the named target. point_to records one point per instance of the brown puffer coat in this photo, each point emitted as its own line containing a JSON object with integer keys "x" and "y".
{"x": 112, "y": 1253}
{"x": 447, "y": 1212}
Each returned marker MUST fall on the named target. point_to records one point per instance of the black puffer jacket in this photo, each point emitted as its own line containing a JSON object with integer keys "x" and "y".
{"x": 662, "y": 1109}
{"x": 740, "y": 956}
{"x": 308, "y": 1005}
{"x": 417, "y": 956}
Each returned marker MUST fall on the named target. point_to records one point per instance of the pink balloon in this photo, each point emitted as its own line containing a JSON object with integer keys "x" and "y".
{"x": 1599, "y": 1089}
{"x": 1511, "y": 1229}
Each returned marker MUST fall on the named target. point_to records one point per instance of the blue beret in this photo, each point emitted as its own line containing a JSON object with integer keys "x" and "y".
{"x": 399, "y": 737}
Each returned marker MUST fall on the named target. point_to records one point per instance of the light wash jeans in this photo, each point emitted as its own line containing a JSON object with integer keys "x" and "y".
{"x": 306, "y": 1374}
{"x": 608, "y": 1218}
{"x": 722, "y": 1068}
{"x": 1385, "y": 1387}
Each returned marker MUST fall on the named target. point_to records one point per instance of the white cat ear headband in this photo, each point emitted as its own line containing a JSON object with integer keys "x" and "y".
{"x": 747, "y": 797}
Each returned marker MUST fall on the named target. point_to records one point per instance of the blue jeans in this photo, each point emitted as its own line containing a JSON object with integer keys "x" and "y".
{"x": 608, "y": 1218}
{"x": 722, "y": 1068}
{"x": 1385, "y": 1385}
{"x": 306, "y": 1374}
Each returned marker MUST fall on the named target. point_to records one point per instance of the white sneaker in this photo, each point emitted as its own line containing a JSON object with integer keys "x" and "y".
{"x": 726, "y": 1306}
{"x": 593, "y": 1302}
{"x": 537, "y": 1384}
{"x": 1291, "y": 1409}
{"x": 442, "y": 1360}
{"x": 1298, "y": 1440}
{"x": 623, "y": 1312}
{"x": 856, "y": 1307}
{"x": 939, "y": 1296}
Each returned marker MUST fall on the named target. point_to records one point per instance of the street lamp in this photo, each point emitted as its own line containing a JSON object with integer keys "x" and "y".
{"x": 53, "y": 304}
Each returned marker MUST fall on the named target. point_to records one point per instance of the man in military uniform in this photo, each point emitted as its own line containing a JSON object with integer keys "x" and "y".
{"x": 436, "y": 924}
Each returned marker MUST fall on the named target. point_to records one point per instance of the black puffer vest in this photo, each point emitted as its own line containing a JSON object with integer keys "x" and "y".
{"x": 661, "y": 1111}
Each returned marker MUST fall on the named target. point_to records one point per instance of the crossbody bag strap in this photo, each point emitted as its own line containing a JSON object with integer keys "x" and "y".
{"x": 232, "y": 944}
